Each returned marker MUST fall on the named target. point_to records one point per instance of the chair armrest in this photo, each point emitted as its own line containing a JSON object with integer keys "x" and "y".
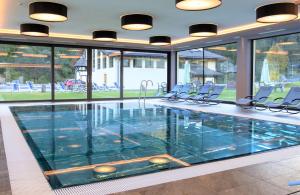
{"x": 249, "y": 96}
{"x": 280, "y": 98}
{"x": 262, "y": 98}
{"x": 295, "y": 101}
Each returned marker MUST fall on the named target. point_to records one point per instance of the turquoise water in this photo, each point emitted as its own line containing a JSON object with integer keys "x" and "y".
{"x": 70, "y": 142}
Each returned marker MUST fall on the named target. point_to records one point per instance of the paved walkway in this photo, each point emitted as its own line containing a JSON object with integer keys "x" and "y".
{"x": 263, "y": 179}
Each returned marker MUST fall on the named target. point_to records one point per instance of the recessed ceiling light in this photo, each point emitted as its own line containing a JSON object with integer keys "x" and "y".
{"x": 277, "y": 12}
{"x": 104, "y": 35}
{"x": 195, "y": 5}
{"x": 203, "y": 30}
{"x": 48, "y": 11}
{"x": 37, "y": 30}
{"x": 136, "y": 22}
{"x": 105, "y": 169}
{"x": 160, "y": 40}
{"x": 159, "y": 160}
{"x": 287, "y": 43}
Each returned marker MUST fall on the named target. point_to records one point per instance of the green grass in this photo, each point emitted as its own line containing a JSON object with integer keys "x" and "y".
{"x": 19, "y": 96}
{"x": 227, "y": 95}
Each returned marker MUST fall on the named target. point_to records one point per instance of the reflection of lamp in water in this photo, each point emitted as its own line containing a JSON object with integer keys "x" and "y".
{"x": 159, "y": 160}
{"x": 74, "y": 146}
{"x": 105, "y": 169}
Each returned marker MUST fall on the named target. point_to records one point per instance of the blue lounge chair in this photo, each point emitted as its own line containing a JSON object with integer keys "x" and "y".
{"x": 292, "y": 99}
{"x": 213, "y": 96}
{"x": 31, "y": 86}
{"x": 176, "y": 89}
{"x": 61, "y": 86}
{"x": 204, "y": 91}
{"x": 261, "y": 96}
{"x": 185, "y": 90}
{"x": 15, "y": 87}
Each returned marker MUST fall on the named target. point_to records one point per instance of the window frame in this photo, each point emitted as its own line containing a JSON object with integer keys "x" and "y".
{"x": 89, "y": 69}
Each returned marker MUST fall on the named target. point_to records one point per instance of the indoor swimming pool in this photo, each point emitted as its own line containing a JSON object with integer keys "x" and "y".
{"x": 78, "y": 144}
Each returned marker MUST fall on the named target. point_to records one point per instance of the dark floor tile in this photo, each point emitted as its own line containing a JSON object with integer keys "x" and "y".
{"x": 225, "y": 180}
{"x": 258, "y": 188}
{"x": 266, "y": 171}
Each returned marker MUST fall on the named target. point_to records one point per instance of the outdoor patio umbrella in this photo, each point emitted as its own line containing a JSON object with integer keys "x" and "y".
{"x": 187, "y": 70}
{"x": 265, "y": 73}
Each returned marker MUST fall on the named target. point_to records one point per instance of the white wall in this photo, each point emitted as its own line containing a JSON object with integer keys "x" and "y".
{"x": 132, "y": 76}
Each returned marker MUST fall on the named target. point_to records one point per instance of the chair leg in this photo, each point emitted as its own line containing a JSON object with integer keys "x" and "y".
{"x": 276, "y": 110}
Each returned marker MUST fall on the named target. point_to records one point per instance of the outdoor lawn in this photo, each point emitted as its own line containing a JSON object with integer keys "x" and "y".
{"x": 18, "y": 96}
{"x": 228, "y": 95}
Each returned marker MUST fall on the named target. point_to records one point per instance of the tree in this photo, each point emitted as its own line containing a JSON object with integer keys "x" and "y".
{"x": 278, "y": 62}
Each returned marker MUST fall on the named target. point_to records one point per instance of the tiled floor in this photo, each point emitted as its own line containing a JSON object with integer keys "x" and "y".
{"x": 262, "y": 179}
{"x": 4, "y": 178}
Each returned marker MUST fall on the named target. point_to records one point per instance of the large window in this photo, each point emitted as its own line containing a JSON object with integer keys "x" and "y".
{"x": 221, "y": 69}
{"x": 58, "y": 72}
{"x": 70, "y": 73}
{"x": 212, "y": 65}
{"x": 25, "y": 72}
{"x": 106, "y": 79}
{"x": 277, "y": 63}
{"x": 144, "y": 66}
{"x": 190, "y": 67}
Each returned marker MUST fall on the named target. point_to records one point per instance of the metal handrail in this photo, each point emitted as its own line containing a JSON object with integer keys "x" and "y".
{"x": 144, "y": 88}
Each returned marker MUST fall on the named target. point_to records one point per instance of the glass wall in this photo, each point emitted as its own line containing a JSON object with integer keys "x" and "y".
{"x": 106, "y": 73}
{"x": 212, "y": 65}
{"x": 277, "y": 63}
{"x": 190, "y": 67}
{"x": 25, "y": 72}
{"x": 70, "y": 73}
{"x": 220, "y": 68}
{"x": 144, "y": 66}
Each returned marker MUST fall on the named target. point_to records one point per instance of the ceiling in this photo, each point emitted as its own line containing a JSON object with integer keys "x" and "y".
{"x": 86, "y": 16}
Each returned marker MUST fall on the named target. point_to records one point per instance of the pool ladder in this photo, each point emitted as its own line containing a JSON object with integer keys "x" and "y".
{"x": 144, "y": 88}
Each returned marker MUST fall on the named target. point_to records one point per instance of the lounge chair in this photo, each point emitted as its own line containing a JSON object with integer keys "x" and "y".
{"x": 261, "y": 96}
{"x": 15, "y": 87}
{"x": 31, "y": 86}
{"x": 176, "y": 89}
{"x": 204, "y": 91}
{"x": 213, "y": 96}
{"x": 292, "y": 99}
{"x": 185, "y": 90}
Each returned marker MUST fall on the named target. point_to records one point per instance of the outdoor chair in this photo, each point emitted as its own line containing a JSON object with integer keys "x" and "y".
{"x": 176, "y": 89}
{"x": 291, "y": 100}
{"x": 204, "y": 91}
{"x": 261, "y": 96}
{"x": 213, "y": 96}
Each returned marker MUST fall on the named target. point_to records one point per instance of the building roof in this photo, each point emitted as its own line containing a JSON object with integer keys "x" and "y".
{"x": 82, "y": 62}
{"x": 197, "y": 54}
{"x": 197, "y": 70}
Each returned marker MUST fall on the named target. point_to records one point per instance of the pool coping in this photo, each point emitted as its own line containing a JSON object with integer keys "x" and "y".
{"x": 26, "y": 176}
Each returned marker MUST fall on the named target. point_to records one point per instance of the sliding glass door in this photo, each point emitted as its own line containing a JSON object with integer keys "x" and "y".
{"x": 221, "y": 69}
{"x": 70, "y": 73}
{"x": 147, "y": 69}
{"x": 106, "y": 73}
{"x": 277, "y": 63}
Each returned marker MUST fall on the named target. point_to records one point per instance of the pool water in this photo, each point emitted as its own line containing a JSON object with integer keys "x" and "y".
{"x": 79, "y": 144}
